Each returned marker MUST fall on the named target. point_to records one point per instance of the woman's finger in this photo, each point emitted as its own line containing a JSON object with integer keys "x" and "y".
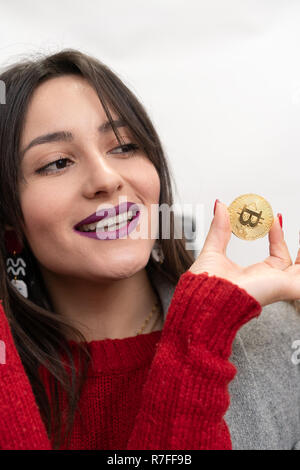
{"x": 220, "y": 230}
{"x": 280, "y": 257}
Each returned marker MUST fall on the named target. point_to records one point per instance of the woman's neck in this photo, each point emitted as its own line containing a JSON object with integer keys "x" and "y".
{"x": 106, "y": 309}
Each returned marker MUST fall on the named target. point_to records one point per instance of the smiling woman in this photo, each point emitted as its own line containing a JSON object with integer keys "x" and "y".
{"x": 80, "y": 158}
{"x": 75, "y": 137}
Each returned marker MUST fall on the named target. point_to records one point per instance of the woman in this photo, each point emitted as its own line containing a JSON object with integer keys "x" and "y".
{"x": 79, "y": 373}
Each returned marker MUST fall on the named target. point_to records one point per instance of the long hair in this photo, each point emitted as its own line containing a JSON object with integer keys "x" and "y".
{"x": 39, "y": 333}
{"x": 295, "y": 304}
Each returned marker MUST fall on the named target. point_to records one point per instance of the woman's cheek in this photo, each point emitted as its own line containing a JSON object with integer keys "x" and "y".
{"x": 37, "y": 210}
{"x": 150, "y": 183}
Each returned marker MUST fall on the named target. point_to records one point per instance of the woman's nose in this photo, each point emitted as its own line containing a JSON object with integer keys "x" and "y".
{"x": 100, "y": 176}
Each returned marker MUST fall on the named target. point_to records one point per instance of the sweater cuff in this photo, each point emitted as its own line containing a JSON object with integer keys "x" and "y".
{"x": 209, "y": 310}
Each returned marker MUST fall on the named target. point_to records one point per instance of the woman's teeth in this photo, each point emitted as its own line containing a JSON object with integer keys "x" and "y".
{"x": 113, "y": 223}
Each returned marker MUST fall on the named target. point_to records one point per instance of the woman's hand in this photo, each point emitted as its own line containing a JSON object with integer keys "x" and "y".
{"x": 276, "y": 278}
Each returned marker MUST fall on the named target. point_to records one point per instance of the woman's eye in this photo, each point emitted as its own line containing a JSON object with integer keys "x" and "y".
{"x": 126, "y": 148}
{"x": 46, "y": 169}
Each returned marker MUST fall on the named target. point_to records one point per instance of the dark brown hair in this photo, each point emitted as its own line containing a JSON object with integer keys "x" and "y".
{"x": 295, "y": 304}
{"x": 40, "y": 334}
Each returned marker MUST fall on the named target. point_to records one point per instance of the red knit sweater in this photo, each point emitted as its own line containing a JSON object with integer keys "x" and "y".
{"x": 162, "y": 390}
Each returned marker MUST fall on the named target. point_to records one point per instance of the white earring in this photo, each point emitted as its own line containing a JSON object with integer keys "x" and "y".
{"x": 157, "y": 253}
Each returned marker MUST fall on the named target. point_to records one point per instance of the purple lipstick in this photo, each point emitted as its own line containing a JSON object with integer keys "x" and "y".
{"x": 125, "y": 216}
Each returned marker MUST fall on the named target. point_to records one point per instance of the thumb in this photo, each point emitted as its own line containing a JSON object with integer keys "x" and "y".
{"x": 220, "y": 230}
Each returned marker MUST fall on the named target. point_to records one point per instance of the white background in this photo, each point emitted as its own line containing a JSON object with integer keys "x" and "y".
{"x": 219, "y": 78}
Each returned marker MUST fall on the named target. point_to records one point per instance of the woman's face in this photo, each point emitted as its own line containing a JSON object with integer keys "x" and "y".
{"x": 95, "y": 173}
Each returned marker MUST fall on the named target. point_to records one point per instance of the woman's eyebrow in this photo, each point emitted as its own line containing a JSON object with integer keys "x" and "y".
{"x": 66, "y": 136}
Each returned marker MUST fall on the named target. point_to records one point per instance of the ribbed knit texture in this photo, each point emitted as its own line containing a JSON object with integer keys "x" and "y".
{"x": 163, "y": 390}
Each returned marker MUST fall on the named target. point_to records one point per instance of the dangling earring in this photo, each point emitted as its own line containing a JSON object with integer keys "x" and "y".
{"x": 15, "y": 264}
{"x": 157, "y": 253}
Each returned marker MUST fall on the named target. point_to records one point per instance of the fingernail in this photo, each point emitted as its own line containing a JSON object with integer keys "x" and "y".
{"x": 217, "y": 200}
{"x": 280, "y": 219}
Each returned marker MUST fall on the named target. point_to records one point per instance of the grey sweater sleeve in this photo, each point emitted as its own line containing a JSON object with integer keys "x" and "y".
{"x": 264, "y": 411}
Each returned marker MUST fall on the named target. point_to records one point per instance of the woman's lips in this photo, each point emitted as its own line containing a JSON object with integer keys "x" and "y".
{"x": 108, "y": 212}
{"x": 115, "y": 234}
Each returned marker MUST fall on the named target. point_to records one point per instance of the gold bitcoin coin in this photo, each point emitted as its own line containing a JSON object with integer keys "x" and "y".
{"x": 251, "y": 216}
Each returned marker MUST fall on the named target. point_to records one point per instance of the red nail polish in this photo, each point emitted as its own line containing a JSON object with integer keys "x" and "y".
{"x": 280, "y": 219}
{"x": 217, "y": 200}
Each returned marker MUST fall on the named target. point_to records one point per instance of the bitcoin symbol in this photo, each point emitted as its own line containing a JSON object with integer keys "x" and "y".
{"x": 251, "y": 216}
{"x": 248, "y": 221}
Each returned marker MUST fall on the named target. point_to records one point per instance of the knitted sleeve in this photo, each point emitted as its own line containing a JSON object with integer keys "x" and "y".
{"x": 185, "y": 396}
{"x": 21, "y": 426}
